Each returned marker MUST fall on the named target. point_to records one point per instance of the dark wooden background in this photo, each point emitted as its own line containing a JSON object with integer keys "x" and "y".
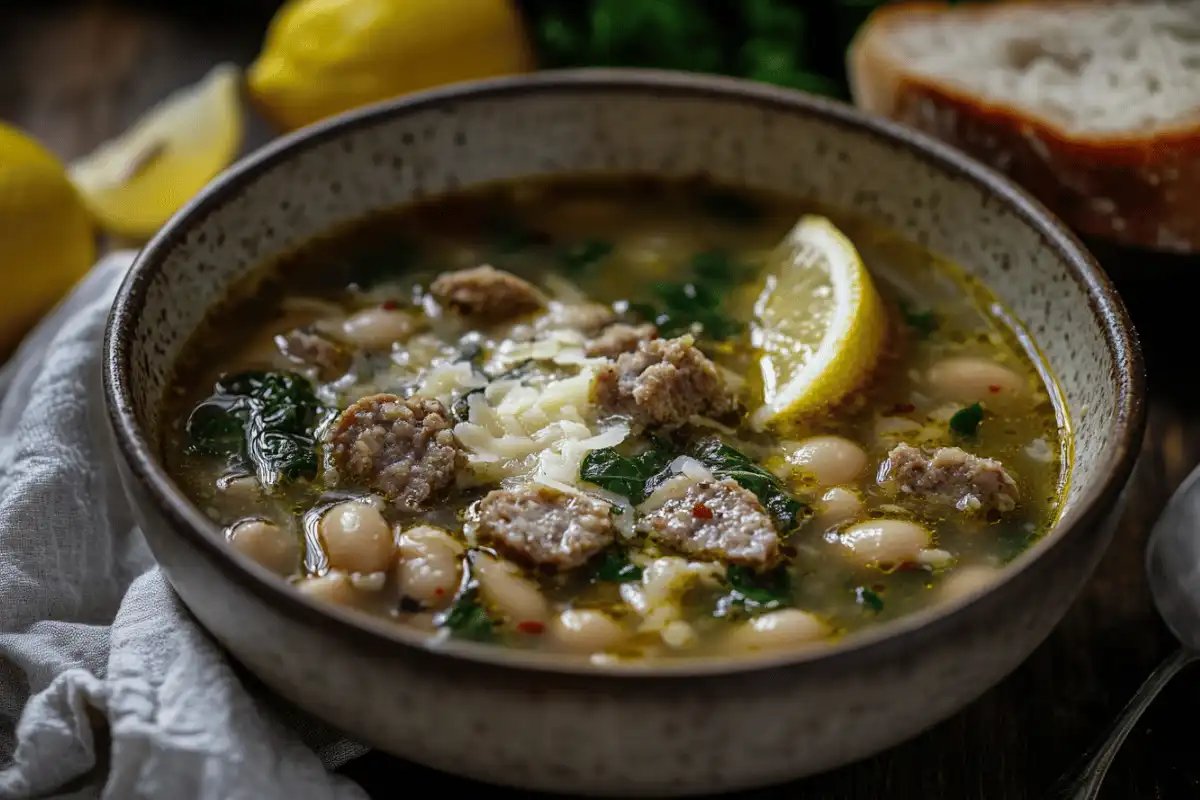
{"x": 76, "y": 74}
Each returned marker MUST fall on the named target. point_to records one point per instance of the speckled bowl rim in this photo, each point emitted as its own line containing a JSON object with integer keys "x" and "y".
{"x": 379, "y": 637}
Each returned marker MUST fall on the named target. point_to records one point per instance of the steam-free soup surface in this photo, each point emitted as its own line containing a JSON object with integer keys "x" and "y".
{"x": 521, "y": 415}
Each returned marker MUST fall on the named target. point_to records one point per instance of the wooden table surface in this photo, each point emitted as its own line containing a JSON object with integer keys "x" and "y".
{"x": 76, "y": 74}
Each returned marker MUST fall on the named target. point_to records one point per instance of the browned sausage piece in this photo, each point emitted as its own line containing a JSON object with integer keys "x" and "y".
{"x": 662, "y": 382}
{"x": 304, "y": 346}
{"x": 620, "y": 338}
{"x": 541, "y": 526}
{"x": 716, "y": 521}
{"x": 403, "y": 449}
{"x": 949, "y": 476}
{"x": 486, "y": 295}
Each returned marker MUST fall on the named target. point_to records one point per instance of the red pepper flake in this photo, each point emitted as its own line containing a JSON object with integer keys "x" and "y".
{"x": 389, "y": 305}
{"x": 908, "y": 566}
{"x": 994, "y": 389}
{"x": 531, "y": 626}
{"x": 903, "y": 408}
{"x": 439, "y": 591}
{"x": 701, "y": 511}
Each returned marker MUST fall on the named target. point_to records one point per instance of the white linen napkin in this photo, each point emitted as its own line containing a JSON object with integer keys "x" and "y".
{"x": 108, "y": 688}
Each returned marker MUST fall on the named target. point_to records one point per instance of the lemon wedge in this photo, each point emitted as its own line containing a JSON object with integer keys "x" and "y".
{"x": 323, "y": 57}
{"x": 46, "y": 234}
{"x": 819, "y": 324}
{"x": 135, "y": 182}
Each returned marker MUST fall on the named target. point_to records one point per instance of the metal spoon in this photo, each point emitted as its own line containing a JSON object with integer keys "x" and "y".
{"x": 1173, "y": 569}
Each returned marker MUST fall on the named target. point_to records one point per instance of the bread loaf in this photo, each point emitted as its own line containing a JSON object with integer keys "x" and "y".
{"x": 1094, "y": 107}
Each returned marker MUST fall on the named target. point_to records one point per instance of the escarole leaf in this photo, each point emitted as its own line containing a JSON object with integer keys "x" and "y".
{"x": 628, "y": 476}
{"x": 265, "y": 421}
{"x": 727, "y": 462}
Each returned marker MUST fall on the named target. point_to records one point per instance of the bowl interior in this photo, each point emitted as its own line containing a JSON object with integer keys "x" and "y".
{"x": 622, "y": 122}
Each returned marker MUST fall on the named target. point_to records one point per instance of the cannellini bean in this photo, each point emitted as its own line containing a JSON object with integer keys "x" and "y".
{"x": 829, "y": 459}
{"x": 836, "y": 506}
{"x": 356, "y": 537}
{"x": 967, "y": 580}
{"x": 429, "y": 568}
{"x": 333, "y": 587}
{"x": 966, "y": 379}
{"x": 586, "y": 631}
{"x": 513, "y": 596}
{"x": 885, "y": 542}
{"x": 268, "y": 544}
{"x": 243, "y": 488}
{"x": 378, "y": 327}
{"x": 787, "y": 627}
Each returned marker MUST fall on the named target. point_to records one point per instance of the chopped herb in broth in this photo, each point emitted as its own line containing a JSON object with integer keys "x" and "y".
{"x": 522, "y": 416}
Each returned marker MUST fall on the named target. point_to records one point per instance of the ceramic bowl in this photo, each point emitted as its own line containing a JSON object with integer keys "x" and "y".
{"x": 519, "y": 718}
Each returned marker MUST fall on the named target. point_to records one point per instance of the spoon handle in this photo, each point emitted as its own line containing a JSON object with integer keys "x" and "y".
{"x": 1083, "y": 783}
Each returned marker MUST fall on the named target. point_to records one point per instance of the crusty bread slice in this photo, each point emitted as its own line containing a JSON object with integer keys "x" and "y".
{"x": 1092, "y": 106}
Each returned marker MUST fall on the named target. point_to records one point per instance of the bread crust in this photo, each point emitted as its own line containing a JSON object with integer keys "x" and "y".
{"x": 1135, "y": 188}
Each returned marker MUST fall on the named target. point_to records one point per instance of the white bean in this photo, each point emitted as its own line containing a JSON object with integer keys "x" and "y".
{"x": 787, "y": 627}
{"x": 510, "y": 594}
{"x": 586, "y": 631}
{"x": 243, "y": 488}
{"x": 837, "y": 505}
{"x": 268, "y": 544}
{"x": 965, "y": 379}
{"x": 967, "y": 580}
{"x": 885, "y": 542}
{"x": 429, "y": 568}
{"x": 378, "y": 327}
{"x": 829, "y": 459}
{"x": 333, "y": 587}
{"x": 356, "y": 537}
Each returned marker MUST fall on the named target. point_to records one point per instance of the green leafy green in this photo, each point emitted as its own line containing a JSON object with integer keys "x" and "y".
{"x": 1012, "y": 541}
{"x": 614, "y": 566}
{"x": 467, "y": 618}
{"x": 965, "y": 421}
{"x": 727, "y": 462}
{"x": 869, "y": 599}
{"x": 765, "y": 590}
{"x": 264, "y": 420}
{"x": 923, "y": 322}
{"x": 716, "y": 268}
{"x": 629, "y": 476}
{"x": 579, "y": 257}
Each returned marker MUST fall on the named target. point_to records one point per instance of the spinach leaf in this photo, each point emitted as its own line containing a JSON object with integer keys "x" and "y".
{"x": 695, "y": 306}
{"x": 715, "y": 267}
{"x": 629, "y": 476}
{"x": 467, "y": 618}
{"x": 726, "y": 462}
{"x": 760, "y": 590}
{"x": 266, "y": 420}
{"x": 867, "y": 598}
{"x": 579, "y": 257}
{"x": 965, "y": 421}
{"x": 923, "y": 322}
{"x": 614, "y": 566}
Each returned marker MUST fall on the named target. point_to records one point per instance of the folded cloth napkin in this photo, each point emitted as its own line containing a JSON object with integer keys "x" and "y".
{"x": 108, "y": 688}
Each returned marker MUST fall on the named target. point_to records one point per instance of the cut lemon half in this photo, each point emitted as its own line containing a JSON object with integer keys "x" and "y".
{"x": 134, "y": 183}
{"x": 819, "y": 324}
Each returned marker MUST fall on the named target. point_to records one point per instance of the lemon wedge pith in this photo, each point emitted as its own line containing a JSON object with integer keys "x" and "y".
{"x": 135, "y": 182}
{"x": 820, "y": 324}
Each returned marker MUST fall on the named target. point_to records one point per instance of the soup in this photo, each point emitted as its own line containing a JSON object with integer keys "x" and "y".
{"x": 534, "y": 414}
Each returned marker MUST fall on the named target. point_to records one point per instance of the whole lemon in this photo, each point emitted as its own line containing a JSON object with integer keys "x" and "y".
{"x": 323, "y": 57}
{"x": 46, "y": 237}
